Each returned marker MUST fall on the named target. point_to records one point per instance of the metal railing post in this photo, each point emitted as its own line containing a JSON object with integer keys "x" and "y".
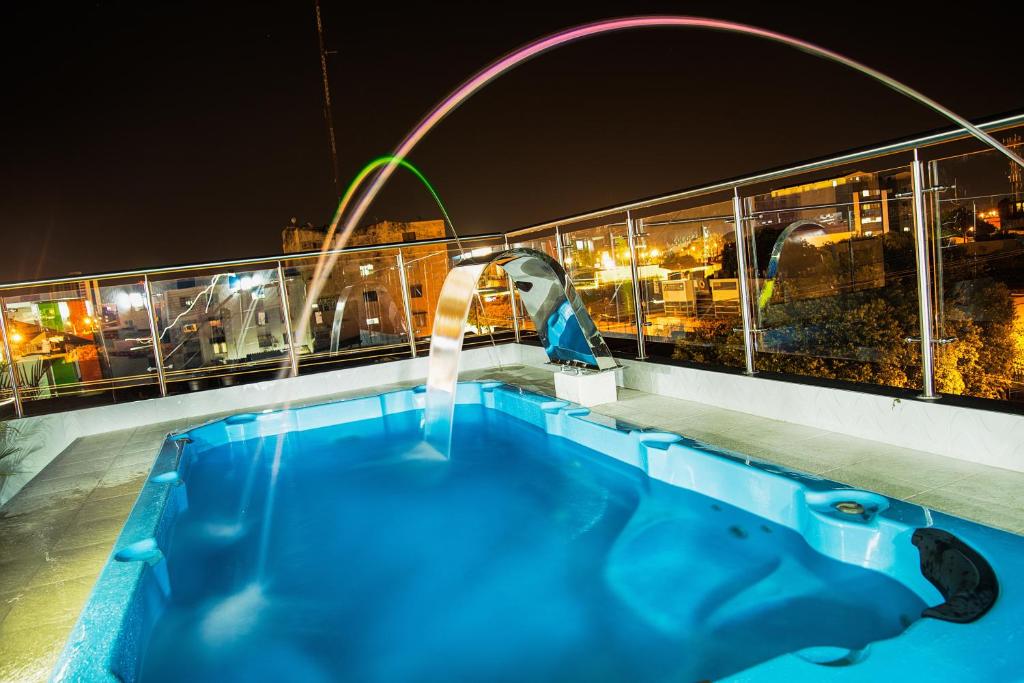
{"x": 406, "y": 303}
{"x": 513, "y": 307}
{"x": 935, "y": 181}
{"x": 634, "y": 273}
{"x": 18, "y": 408}
{"x": 744, "y": 282}
{"x": 512, "y": 300}
{"x": 293, "y": 359}
{"x": 924, "y": 289}
{"x": 158, "y": 352}
{"x": 559, "y": 247}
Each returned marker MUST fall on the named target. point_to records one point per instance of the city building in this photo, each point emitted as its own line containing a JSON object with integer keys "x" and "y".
{"x": 365, "y": 288}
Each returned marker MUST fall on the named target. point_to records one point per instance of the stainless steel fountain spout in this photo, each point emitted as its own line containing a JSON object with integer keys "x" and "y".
{"x": 567, "y": 332}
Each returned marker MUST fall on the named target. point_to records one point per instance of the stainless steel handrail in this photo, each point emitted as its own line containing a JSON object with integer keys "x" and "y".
{"x": 271, "y": 260}
{"x": 823, "y": 164}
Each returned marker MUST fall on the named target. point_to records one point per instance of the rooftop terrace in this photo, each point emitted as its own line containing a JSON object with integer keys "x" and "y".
{"x": 810, "y": 317}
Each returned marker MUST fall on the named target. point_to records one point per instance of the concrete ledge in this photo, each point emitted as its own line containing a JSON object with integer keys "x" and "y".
{"x": 979, "y": 436}
{"x": 44, "y": 437}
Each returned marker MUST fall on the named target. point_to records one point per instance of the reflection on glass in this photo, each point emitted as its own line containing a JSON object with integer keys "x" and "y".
{"x": 210, "y": 324}
{"x": 686, "y": 261}
{"x": 491, "y": 311}
{"x": 79, "y": 339}
{"x": 426, "y": 270}
{"x": 977, "y": 220}
{"x": 833, "y": 272}
{"x": 597, "y": 261}
{"x": 360, "y": 305}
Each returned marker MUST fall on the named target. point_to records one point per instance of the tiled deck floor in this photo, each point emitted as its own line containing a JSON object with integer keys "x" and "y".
{"x": 56, "y": 534}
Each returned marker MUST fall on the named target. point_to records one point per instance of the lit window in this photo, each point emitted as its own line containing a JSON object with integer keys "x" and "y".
{"x": 416, "y": 291}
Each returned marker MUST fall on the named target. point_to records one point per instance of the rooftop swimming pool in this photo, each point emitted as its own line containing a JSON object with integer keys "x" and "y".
{"x": 331, "y": 543}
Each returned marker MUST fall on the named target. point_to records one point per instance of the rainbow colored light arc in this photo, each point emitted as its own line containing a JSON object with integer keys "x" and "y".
{"x": 327, "y": 261}
{"x": 324, "y": 266}
{"x": 513, "y": 59}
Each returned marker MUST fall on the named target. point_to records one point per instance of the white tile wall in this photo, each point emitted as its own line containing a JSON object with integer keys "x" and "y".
{"x": 981, "y": 436}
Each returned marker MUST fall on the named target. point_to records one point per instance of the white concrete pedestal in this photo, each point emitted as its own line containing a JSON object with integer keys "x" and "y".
{"x": 587, "y": 389}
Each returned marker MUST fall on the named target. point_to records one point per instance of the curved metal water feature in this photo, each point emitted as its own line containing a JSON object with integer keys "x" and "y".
{"x": 773, "y": 262}
{"x": 567, "y": 332}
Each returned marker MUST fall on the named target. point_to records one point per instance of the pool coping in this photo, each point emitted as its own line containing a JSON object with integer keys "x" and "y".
{"x": 95, "y": 640}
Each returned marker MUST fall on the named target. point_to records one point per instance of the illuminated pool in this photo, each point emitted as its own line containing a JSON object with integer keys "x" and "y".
{"x": 328, "y": 543}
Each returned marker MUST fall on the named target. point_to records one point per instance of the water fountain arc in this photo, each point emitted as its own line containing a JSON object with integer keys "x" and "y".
{"x": 566, "y": 330}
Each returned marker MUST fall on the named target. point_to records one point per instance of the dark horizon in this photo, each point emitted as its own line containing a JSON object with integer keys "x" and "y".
{"x": 149, "y": 136}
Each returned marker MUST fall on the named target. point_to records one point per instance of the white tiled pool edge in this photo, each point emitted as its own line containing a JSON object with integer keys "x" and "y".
{"x": 46, "y": 436}
{"x": 980, "y": 436}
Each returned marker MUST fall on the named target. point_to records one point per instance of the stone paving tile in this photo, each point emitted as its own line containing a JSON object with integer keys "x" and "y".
{"x": 74, "y": 457}
{"x": 113, "y": 506}
{"x": 947, "y": 499}
{"x": 902, "y": 473}
{"x": 62, "y": 565}
{"x": 16, "y": 573}
{"x": 85, "y": 446}
{"x": 53, "y": 603}
{"x": 106, "y": 489}
{"x": 56, "y": 485}
{"x": 84, "y": 532}
{"x": 121, "y": 474}
{"x": 30, "y": 534}
{"x": 144, "y": 456}
{"x": 6, "y": 602}
{"x": 30, "y": 654}
{"x": 62, "y": 468}
{"x": 990, "y": 496}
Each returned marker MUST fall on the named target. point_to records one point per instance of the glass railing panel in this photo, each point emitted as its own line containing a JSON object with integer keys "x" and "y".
{"x": 8, "y": 410}
{"x": 82, "y": 343}
{"x": 689, "y": 286}
{"x": 832, "y": 269}
{"x": 426, "y": 270}
{"x": 597, "y": 261}
{"x": 214, "y": 328}
{"x": 491, "y": 312}
{"x": 359, "y": 307}
{"x": 977, "y": 219}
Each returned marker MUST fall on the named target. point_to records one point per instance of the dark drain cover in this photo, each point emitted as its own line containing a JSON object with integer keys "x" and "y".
{"x": 964, "y": 577}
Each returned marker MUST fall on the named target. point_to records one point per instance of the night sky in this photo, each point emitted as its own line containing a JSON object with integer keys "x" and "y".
{"x": 152, "y": 133}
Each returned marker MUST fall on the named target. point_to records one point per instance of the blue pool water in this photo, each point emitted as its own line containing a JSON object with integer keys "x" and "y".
{"x": 349, "y": 551}
{"x": 523, "y": 557}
